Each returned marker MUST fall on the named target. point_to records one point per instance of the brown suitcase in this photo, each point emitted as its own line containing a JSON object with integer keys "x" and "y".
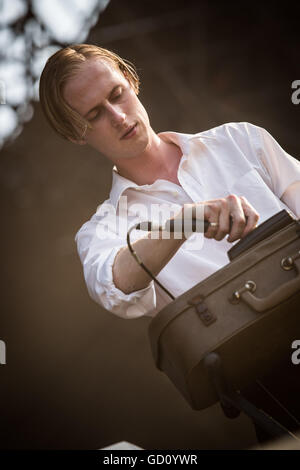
{"x": 248, "y": 313}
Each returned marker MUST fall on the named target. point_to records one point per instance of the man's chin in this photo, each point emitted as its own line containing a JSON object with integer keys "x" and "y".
{"x": 126, "y": 149}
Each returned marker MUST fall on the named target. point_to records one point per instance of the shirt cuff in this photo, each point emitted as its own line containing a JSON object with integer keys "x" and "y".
{"x": 133, "y": 305}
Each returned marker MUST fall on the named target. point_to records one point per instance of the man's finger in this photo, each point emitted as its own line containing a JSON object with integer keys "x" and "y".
{"x": 251, "y": 214}
{"x": 238, "y": 218}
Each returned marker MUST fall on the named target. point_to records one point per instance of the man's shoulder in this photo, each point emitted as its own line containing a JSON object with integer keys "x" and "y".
{"x": 227, "y": 129}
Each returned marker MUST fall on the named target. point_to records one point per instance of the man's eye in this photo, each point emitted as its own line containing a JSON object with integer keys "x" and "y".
{"x": 95, "y": 116}
{"x": 118, "y": 95}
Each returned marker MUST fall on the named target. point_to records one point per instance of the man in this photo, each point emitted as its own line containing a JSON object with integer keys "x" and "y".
{"x": 235, "y": 173}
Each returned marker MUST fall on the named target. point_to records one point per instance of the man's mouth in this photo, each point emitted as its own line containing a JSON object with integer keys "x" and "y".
{"x": 130, "y": 132}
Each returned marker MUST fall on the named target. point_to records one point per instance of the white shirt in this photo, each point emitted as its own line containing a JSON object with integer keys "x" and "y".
{"x": 234, "y": 158}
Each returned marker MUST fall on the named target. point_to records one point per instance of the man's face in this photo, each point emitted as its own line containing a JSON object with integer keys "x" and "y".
{"x": 102, "y": 95}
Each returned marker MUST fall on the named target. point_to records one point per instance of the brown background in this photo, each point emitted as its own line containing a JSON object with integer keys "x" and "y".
{"x": 76, "y": 376}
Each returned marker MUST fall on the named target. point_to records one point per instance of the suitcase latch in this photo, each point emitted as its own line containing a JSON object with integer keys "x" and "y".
{"x": 205, "y": 315}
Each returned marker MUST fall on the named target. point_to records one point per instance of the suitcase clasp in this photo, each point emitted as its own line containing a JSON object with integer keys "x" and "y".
{"x": 205, "y": 315}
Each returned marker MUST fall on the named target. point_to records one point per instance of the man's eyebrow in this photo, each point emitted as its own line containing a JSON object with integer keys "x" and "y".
{"x": 97, "y": 105}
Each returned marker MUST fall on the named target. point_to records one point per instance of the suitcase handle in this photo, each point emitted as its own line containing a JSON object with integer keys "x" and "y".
{"x": 277, "y": 296}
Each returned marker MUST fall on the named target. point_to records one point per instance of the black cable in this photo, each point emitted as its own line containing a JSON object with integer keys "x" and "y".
{"x": 139, "y": 261}
{"x": 148, "y": 226}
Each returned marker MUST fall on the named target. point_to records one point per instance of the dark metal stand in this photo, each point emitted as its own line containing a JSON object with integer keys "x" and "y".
{"x": 232, "y": 402}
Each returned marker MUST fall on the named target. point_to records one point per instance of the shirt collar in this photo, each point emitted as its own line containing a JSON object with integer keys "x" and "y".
{"x": 120, "y": 184}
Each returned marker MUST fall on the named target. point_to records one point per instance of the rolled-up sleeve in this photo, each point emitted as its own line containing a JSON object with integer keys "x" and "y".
{"x": 97, "y": 256}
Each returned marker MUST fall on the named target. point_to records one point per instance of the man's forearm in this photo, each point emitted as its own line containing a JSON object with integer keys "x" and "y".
{"x": 129, "y": 276}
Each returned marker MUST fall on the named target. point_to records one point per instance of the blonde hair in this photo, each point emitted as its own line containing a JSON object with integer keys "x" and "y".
{"x": 59, "y": 68}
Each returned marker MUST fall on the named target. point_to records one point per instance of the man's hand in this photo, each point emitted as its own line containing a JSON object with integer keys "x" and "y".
{"x": 231, "y": 215}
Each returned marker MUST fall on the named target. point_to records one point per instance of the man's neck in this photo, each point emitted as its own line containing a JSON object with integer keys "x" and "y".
{"x": 160, "y": 160}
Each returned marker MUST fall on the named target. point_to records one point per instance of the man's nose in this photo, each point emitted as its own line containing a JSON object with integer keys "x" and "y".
{"x": 117, "y": 116}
